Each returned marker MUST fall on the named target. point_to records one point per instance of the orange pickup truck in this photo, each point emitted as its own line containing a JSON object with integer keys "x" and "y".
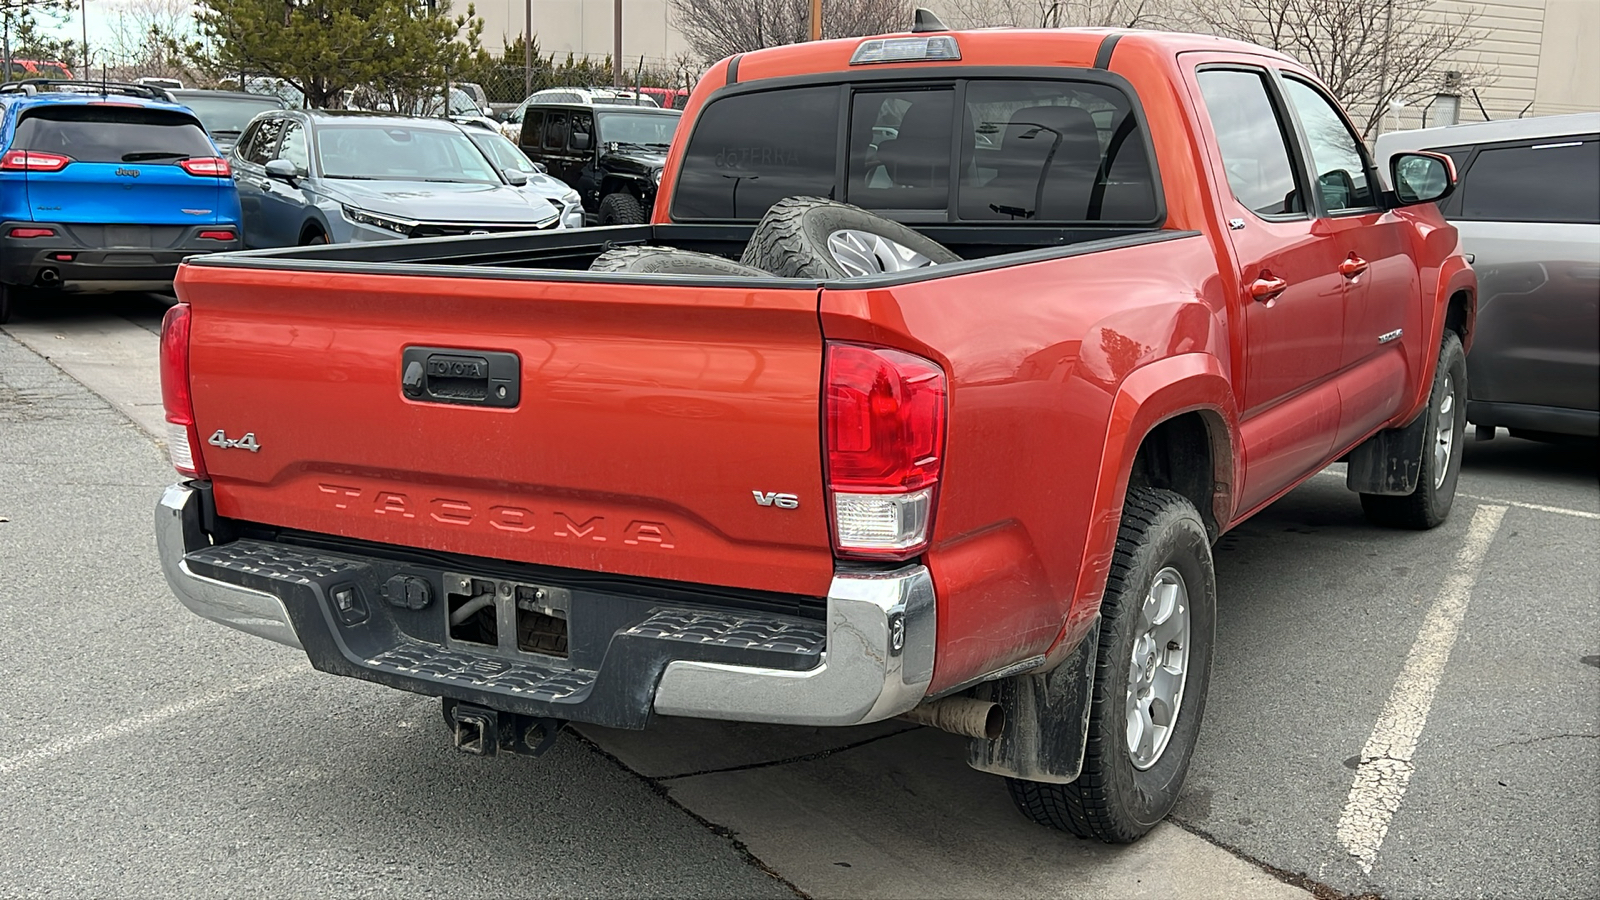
{"x": 960, "y": 352}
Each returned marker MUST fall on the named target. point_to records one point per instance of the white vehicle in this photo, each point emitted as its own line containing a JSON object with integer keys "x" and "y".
{"x": 506, "y": 156}
{"x": 511, "y": 125}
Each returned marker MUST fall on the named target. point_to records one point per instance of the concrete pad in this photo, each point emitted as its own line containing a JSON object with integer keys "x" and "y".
{"x": 905, "y": 817}
{"x": 109, "y": 355}
{"x": 674, "y": 746}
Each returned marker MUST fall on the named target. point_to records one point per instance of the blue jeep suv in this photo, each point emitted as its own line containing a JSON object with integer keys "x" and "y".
{"x": 105, "y": 187}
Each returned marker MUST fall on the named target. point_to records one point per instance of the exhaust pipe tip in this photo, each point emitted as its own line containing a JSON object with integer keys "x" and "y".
{"x": 980, "y": 719}
{"x": 49, "y": 276}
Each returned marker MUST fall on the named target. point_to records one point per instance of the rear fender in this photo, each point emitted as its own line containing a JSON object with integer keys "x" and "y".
{"x": 1150, "y": 395}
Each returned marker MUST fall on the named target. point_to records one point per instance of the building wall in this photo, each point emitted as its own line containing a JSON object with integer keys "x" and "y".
{"x": 1569, "y": 58}
{"x": 583, "y": 28}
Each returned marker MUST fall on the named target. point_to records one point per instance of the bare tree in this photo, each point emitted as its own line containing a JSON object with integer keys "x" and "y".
{"x": 1370, "y": 53}
{"x": 719, "y": 28}
{"x": 143, "y": 34}
{"x": 1057, "y": 13}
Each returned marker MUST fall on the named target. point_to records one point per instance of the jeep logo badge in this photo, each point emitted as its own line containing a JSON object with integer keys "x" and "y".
{"x": 128, "y": 173}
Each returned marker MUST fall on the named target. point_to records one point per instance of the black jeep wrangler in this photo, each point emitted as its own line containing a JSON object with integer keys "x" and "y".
{"x": 612, "y": 155}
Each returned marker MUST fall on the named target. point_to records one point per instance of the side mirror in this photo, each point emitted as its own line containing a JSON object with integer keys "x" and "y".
{"x": 1421, "y": 177}
{"x": 514, "y": 177}
{"x": 282, "y": 169}
{"x": 581, "y": 141}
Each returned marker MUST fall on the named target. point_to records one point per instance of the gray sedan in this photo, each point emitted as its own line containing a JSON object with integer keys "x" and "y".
{"x": 320, "y": 176}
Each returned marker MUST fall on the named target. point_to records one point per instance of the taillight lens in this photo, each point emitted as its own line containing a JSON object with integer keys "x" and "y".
{"x": 32, "y": 232}
{"x": 183, "y": 440}
{"x": 209, "y": 166}
{"x": 218, "y": 235}
{"x": 33, "y": 161}
{"x": 885, "y": 413}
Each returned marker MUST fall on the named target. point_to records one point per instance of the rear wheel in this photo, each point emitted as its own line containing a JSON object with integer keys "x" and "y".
{"x": 6, "y": 295}
{"x": 1157, "y": 624}
{"x": 621, "y": 208}
{"x": 1429, "y": 504}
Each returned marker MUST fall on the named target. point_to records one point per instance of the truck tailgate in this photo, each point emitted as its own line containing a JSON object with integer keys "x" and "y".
{"x": 650, "y": 417}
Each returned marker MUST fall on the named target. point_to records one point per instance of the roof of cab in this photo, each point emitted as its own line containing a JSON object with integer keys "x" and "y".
{"x": 996, "y": 47}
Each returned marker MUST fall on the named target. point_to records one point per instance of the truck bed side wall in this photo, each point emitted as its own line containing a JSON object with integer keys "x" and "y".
{"x": 1035, "y": 354}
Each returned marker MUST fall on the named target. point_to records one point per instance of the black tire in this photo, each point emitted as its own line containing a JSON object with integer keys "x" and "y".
{"x": 621, "y": 208}
{"x": 667, "y": 261}
{"x": 1429, "y": 505}
{"x": 1112, "y": 800}
{"x": 791, "y": 240}
{"x": 7, "y": 295}
{"x": 313, "y": 238}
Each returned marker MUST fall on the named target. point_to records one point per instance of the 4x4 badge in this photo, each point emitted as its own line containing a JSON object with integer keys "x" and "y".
{"x": 248, "y": 442}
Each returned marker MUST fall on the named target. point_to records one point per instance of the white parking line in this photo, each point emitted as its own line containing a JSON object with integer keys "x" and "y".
{"x": 1560, "y": 510}
{"x": 140, "y": 722}
{"x": 1385, "y": 769}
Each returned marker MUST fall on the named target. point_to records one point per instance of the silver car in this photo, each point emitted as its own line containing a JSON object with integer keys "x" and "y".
{"x": 1528, "y": 209}
{"x": 321, "y": 176}
{"x": 505, "y": 155}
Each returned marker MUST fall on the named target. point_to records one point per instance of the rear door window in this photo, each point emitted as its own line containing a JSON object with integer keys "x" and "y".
{"x": 113, "y": 134}
{"x": 1551, "y": 180}
{"x": 749, "y": 151}
{"x": 1253, "y": 141}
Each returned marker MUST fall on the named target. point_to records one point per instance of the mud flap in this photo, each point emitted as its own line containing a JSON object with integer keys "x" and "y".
{"x": 1046, "y": 719}
{"x": 1389, "y": 462}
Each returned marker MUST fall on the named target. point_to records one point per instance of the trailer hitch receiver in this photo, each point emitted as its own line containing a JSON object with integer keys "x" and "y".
{"x": 482, "y": 731}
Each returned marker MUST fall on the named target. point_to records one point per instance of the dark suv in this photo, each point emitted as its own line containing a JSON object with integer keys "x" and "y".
{"x": 612, "y": 156}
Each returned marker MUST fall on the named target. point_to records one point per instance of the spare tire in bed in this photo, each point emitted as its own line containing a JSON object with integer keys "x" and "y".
{"x": 809, "y": 237}
{"x": 668, "y": 261}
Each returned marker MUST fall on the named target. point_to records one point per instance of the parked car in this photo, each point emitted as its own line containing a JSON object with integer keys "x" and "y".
{"x": 666, "y": 98}
{"x": 168, "y": 84}
{"x": 226, "y": 113}
{"x": 105, "y": 187}
{"x": 1528, "y": 210}
{"x": 511, "y": 122}
{"x": 504, "y": 155}
{"x": 476, "y": 92}
{"x": 591, "y": 97}
{"x": 612, "y": 155}
{"x": 331, "y": 176}
{"x": 24, "y": 69}
{"x": 955, "y": 449}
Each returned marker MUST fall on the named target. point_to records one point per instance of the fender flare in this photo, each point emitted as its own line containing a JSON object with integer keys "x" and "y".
{"x": 1148, "y": 396}
{"x": 1455, "y": 276}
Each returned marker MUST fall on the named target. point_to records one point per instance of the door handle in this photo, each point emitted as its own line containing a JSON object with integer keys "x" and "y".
{"x": 1267, "y": 288}
{"x": 1353, "y": 266}
{"x": 265, "y": 184}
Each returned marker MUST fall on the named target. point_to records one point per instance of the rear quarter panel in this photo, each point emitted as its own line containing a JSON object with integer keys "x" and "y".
{"x": 1036, "y": 355}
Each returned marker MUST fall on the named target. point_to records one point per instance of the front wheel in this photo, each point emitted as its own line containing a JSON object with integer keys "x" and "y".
{"x": 1157, "y": 625}
{"x": 621, "y": 208}
{"x": 1429, "y": 504}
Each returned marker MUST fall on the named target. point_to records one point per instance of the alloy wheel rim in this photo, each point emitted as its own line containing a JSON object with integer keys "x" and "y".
{"x": 865, "y": 253}
{"x": 1158, "y": 669}
{"x": 1445, "y": 434}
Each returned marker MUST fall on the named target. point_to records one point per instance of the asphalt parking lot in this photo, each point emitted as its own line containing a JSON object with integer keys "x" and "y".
{"x": 1392, "y": 714}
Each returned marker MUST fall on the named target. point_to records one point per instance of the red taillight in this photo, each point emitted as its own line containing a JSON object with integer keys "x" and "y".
{"x": 32, "y": 232}
{"x": 216, "y": 235}
{"x": 209, "y": 166}
{"x": 183, "y": 440}
{"x": 33, "y": 161}
{"x": 885, "y": 412}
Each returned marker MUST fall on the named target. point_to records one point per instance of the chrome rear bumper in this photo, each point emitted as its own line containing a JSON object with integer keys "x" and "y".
{"x": 876, "y": 663}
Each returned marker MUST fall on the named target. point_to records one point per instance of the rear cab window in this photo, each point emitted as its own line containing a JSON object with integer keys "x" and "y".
{"x": 1047, "y": 150}
{"x": 103, "y": 133}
